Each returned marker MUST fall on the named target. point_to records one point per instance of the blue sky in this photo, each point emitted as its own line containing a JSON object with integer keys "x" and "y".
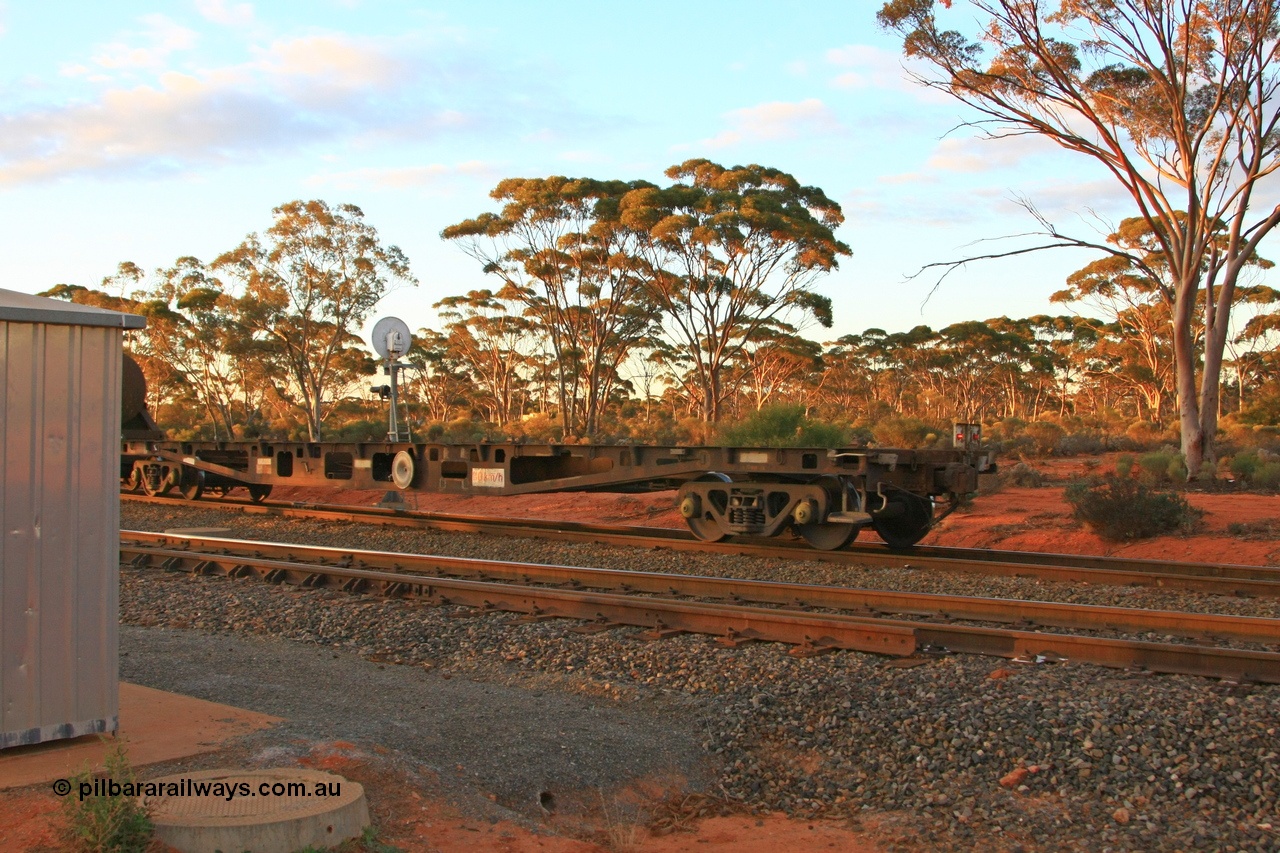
{"x": 148, "y": 131}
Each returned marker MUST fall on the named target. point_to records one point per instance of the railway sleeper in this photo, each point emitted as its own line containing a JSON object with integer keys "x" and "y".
{"x": 733, "y": 638}
{"x": 660, "y": 631}
{"x": 597, "y": 626}
{"x": 812, "y": 648}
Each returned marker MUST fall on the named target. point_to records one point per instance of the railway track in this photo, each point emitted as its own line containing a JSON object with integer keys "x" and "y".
{"x": 812, "y": 618}
{"x": 1212, "y": 578}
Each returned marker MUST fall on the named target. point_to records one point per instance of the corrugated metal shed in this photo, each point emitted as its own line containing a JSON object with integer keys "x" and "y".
{"x": 59, "y": 517}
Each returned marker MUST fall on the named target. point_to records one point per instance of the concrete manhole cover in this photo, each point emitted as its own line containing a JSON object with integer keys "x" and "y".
{"x": 262, "y": 810}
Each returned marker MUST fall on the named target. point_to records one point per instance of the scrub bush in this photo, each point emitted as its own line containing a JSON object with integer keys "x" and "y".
{"x": 1123, "y": 508}
{"x": 782, "y": 426}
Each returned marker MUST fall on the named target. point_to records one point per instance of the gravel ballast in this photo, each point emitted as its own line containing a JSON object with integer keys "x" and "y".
{"x": 1091, "y": 759}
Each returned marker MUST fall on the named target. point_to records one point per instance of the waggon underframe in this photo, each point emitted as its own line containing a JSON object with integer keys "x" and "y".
{"x": 723, "y": 490}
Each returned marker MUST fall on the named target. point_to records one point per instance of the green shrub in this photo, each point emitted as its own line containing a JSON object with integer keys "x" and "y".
{"x": 1023, "y": 475}
{"x": 106, "y": 824}
{"x": 1244, "y": 464}
{"x": 1123, "y": 508}
{"x": 1267, "y": 476}
{"x": 1144, "y": 433}
{"x": 1124, "y": 464}
{"x": 467, "y": 431}
{"x": 1046, "y": 435}
{"x": 1077, "y": 443}
{"x": 904, "y": 432}
{"x": 1177, "y": 469}
{"x": 1005, "y": 429}
{"x": 540, "y": 427}
{"x": 782, "y": 426}
{"x": 1154, "y": 466}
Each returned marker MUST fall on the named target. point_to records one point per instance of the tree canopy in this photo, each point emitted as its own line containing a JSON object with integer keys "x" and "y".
{"x": 306, "y": 287}
{"x": 1175, "y": 100}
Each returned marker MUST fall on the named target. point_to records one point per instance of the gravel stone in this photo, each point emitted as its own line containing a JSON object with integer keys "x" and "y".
{"x": 1189, "y": 763}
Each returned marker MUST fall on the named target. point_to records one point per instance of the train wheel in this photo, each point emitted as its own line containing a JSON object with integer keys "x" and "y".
{"x": 703, "y": 524}
{"x": 706, "y": 529}
{"x": 259, "y": 493}
{"x": 134, "y": 481}
{"x": 907, "y": 526}
{"x": 830, "y": 536}
{"x": 192, "y": 485}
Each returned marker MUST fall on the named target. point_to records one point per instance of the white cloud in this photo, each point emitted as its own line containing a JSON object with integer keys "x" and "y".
{"x": 867, "y": 67}
{"x": 1081, "y": 193}
{"x": 292, "y": 95}
{"x": 334, "y": 62}
{"x": 162, "y": 37}
{"x": 975, "y": 154}
{"x": 182, "y": 121}
{"x": 222, "y": 12}
{"x": 777, "y": 120}
{"x": 322, "y": 91}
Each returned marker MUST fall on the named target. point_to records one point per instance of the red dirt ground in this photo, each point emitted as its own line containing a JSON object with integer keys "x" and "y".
{"x": 1022, "y": 519}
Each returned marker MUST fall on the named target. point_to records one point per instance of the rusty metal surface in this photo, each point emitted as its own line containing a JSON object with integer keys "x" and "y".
{"x": 1024, "y": 614}
{"x": 59, "y": 519}
{"x": 1090, "y": 561}
{"x": 609, "y": 609}
{"x": 280, "y": 562}
{"x": 1218, "y": 579}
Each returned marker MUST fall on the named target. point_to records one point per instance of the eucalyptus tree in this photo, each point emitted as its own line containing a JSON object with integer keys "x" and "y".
{"x": 1137, "y": 303}
{"x": 558, "y": 247}
{"x": 1174, "y": 99}
{"x": 494, "y": 345}
{"x": 728, "y": 252}
{"x": 1253, "y": 350}
{"x": 968, "y": 365}
{"x": 897, "y": 364}
{"x": 845, "y": 388}
{"x": 306, "y": 286}
{"x": 1060, "y": 340}
{"x": 775, "y": 365}
{"x": 198, "y": 336}
{"x": 1134, "y": 344}
{"x": 125, "y": 290}
{"x": 437, "y": 385}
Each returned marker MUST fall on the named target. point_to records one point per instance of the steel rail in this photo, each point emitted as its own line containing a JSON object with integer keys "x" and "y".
{"x": 1217, "y": 579}
{"x": 864, "y": 601}
{"x": 664, "y": 617}
{"x": 1236, "y": 664}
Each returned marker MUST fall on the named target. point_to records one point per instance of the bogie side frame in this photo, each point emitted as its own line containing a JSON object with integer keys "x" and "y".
{"x": 825, "y": 495}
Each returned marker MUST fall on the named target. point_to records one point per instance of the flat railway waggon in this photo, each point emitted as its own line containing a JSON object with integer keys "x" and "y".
{"x": 825, "y": 495}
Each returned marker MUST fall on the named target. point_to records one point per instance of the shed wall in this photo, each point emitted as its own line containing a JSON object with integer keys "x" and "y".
{"x": 59, "y": 528}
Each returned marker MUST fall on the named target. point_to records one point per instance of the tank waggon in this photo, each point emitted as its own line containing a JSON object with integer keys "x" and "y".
{"x": 825, "y": 496}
